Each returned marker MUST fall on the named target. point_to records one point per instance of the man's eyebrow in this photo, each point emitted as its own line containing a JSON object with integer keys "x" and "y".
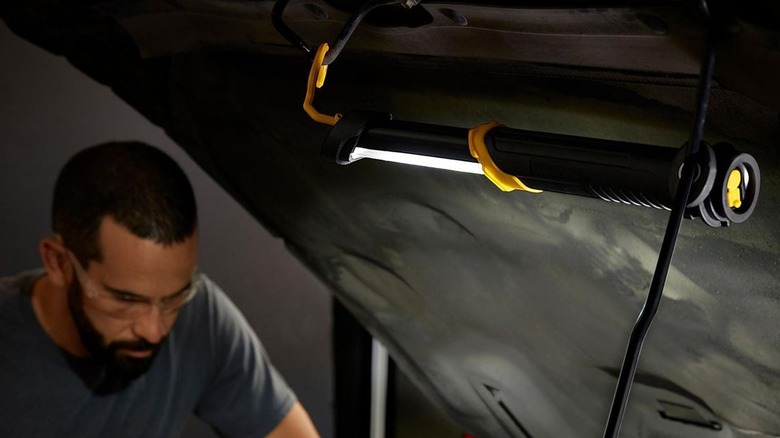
{"x": 116, "y": 291}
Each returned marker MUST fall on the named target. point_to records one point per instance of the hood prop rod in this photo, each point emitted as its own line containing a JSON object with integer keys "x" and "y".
{"x": 645, "y": 319}
{"x": 277, "y": 18}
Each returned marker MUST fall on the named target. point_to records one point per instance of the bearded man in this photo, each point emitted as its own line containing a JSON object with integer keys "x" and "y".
{"x": 119, "y": 334}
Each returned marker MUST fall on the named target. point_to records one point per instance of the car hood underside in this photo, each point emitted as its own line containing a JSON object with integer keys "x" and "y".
{"x": 510, "y": 310}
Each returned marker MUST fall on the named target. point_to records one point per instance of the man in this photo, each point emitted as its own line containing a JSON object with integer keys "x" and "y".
{"x": 120, "y": 335}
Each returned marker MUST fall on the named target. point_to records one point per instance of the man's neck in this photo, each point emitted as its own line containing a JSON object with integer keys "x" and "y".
{"x": 50, "y": 304}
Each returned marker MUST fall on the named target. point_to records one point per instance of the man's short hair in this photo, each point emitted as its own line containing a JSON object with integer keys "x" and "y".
{"x": 139, "y": 186}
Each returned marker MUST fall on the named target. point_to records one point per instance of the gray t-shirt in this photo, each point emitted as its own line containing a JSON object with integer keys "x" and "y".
{"x": 212, "y": 364}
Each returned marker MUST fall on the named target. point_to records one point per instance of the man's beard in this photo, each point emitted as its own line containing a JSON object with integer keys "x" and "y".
{"x": 106, "y": 371}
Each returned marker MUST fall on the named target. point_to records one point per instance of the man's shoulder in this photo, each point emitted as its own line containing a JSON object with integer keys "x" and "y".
{"x": 212, "y": 322}
{"x": 17, "y": 318}
{"x": 12, "y": 287}
{"x": 210, "y": 297}
{"x": 209, "y": 309}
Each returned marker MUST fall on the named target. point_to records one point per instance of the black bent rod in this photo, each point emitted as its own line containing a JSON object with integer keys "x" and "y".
{"x": 645, "y": 319}
{"x": 277, "y": 18}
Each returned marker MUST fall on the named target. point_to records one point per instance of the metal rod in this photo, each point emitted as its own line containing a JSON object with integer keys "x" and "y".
{"x": 351, "y": 25}
{"x": 379, "y": 369}
{"x": 278, "y": 21}
{"x": 645, "y": 319}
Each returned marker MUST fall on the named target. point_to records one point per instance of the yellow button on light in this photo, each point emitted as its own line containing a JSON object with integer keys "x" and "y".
{"x": 733, "y": 192}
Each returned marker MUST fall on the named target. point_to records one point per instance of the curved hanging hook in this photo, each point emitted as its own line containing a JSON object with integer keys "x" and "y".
{"x": 277, "y": 18}
{"x": 352, "y": 25}
{"x": 316, "y": 80}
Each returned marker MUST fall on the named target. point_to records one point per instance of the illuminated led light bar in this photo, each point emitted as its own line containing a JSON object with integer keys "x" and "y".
{"x": 416, "y": 160}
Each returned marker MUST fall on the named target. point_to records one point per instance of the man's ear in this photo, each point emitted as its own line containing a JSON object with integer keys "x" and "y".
{"x": 55, "y": 261}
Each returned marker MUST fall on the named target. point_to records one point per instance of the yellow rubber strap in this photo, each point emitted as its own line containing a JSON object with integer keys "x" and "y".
{"x": 317, "y": 79}
{"x": 503, "y": 181}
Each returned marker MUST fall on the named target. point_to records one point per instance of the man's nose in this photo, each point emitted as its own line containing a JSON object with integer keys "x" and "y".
{"x": 150, "y": 326}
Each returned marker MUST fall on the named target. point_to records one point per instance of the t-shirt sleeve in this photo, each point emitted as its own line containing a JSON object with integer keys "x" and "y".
{"x": 245, "y": 396}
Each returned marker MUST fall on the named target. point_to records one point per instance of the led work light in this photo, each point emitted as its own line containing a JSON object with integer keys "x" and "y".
{"x": 725, "y": 189}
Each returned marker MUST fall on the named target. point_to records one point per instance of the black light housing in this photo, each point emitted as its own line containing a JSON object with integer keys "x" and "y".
{"x": 616, "y": 171}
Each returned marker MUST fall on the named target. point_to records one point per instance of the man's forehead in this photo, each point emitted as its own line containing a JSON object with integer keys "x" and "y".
{"x": 118, "y": 245}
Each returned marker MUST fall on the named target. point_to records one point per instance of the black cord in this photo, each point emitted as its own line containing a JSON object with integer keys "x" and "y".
{"x": 642, "y": 325}
{"x": 351, "y": 25}
{"x": 284, "y": 29}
